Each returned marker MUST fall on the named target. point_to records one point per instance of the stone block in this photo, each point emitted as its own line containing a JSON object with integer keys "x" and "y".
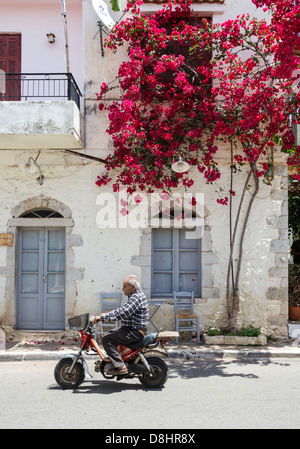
{"x": 210, "y": 292}
{"x": 283, "y": 234}
{"x": 207, "y": 280}
{"x": 277, "y": 293}
{"x": 279, "y": 246}
{"x": 281, "y": 272}
{"x": 282, "y": 222}
{"x": 206, "y": 244}
{"x": 234, "y": 340}
{"x": 285, "y": 207}
{"x": 209, "y": 258}
{"x": 2, "y": 340}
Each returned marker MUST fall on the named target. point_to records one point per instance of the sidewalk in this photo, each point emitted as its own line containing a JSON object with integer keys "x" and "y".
{"x": 54, "y": 350}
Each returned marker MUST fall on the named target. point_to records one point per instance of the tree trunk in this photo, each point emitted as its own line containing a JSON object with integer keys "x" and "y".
{"x": 233, "y": 276}
{"x": 234, "y": 310}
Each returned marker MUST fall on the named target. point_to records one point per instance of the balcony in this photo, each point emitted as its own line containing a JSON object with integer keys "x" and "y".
{"x": 40, "y": 111}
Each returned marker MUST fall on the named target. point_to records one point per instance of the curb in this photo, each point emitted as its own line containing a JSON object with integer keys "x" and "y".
{"x": 20, "y": 356}
{"x": 234, "y": 354}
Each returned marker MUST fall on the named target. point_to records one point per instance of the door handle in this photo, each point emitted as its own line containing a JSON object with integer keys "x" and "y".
{"x": 44, "y": 278}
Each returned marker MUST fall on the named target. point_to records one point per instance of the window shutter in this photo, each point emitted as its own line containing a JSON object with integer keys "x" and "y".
{"x": 10, "y": 62}
{"x": 176, "y": 262}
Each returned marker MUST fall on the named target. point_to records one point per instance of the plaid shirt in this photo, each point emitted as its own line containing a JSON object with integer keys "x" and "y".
{"x": 134, "y": 314}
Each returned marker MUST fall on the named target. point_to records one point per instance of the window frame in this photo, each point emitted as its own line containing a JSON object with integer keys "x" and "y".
{"x": 176, "y": 272}
{"x": 41, "y": 213}
{"x": 174, "y": 48}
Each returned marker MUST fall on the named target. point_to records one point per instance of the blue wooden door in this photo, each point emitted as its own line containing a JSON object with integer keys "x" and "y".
{"x": 41, "y": 279}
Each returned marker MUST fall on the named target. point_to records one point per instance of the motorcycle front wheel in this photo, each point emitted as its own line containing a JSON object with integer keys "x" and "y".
{"x": 66, "y": 380}
{"x": 158, "y": 376}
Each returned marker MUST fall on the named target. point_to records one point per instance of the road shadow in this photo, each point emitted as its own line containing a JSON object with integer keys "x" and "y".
{"x": 106, "y": 387}
{"x": 113, "y": 387}
{"x": 178, "y": 368}
{"x": 203, "y": 368}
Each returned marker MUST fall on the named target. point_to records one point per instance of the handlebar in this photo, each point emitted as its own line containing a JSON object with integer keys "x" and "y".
{"x": 90, "y": 327}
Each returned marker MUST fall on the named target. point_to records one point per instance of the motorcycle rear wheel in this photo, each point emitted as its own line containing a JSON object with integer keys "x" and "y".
{"x": 159, "y": 373}
{"x": 66, "y": 380}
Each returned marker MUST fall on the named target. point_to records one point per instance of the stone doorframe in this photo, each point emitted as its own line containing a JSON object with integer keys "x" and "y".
{"x": 10, "y": 271}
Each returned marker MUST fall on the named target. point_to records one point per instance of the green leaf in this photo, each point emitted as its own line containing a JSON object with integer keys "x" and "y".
{"x": 115, "y": 5}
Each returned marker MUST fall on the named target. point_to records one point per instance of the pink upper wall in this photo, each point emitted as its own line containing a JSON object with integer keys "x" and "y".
{"x": 36, "y": 18}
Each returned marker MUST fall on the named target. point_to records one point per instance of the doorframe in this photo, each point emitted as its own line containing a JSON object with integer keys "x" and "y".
{"x": 43, "y": 230}
{"x": 12, "y": 265}
{"x": 72, "y": 274}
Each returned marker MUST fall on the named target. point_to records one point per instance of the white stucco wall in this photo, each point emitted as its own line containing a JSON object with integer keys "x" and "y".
{"x": 35, "y": 19}
{"x": 99, "y": 259}
{"x": 40, "y": 125}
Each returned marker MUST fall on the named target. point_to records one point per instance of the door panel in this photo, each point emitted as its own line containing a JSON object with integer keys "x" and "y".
{"x": 28, "y": 279}
{"x": 41, "y": 279}
{"x": 29, "y": 310}
{"x": 30, "y": 283}
{"x": 54, "y": 282}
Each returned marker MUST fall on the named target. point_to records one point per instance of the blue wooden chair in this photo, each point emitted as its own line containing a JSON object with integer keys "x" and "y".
{"x": 108, "y": 302}
{"x": 185, "y": 319}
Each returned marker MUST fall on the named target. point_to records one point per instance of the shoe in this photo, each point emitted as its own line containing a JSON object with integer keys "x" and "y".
{"x": 117, "y": 371}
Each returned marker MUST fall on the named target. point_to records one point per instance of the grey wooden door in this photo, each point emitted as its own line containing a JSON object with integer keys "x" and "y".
{"x": 41, "y": 279}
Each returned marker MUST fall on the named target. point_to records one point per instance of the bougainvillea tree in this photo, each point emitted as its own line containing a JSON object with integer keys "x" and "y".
{"x": 189, "y": 87}
{"x": 285, "y": 26}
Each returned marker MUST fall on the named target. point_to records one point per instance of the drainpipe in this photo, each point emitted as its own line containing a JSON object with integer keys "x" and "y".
{"x": 64, "y": 14}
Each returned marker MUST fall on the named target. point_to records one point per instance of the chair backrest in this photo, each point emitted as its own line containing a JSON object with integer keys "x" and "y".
{"x": 183, "y": 302}
{"x": 110, "y": 301}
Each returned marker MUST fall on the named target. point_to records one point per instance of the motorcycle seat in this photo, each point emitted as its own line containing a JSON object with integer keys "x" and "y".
{"x": 146, "y": 340}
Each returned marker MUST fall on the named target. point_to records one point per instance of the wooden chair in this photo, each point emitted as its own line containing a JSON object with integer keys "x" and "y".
{"x": 185, "y": 319}
{"x": 108, "y": 302}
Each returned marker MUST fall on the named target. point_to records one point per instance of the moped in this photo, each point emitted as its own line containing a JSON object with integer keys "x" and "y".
{"x": 143, "y": 358}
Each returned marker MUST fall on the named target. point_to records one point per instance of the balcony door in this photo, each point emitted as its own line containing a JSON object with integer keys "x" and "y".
{"x": 10, "y": 63}
{"x": 41, "y": 279}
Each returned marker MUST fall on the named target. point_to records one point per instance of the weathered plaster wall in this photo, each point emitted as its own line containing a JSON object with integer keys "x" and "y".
{"x": 96, "y": 260}
{"x": 40, "y": 125}
{"x": 34, "y": 20}
{"x": 264, "y": 272}
{"x": 99, "y": 259}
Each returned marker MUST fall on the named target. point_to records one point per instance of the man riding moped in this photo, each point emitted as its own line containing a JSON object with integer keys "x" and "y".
{"x": 134, "y": 316}
{"x": 141, "y": 356}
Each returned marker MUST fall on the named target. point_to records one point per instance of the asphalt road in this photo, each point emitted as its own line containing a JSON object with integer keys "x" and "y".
{"x": 199, "y": 394}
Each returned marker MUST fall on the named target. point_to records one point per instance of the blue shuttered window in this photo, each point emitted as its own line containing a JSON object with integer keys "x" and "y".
{"x": 176, "y": 262}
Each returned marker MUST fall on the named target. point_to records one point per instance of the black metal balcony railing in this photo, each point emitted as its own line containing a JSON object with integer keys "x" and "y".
{"x": 30, "y": 86}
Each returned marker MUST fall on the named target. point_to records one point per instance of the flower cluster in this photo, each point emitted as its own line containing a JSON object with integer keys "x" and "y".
{"x": 189, "y": 85}
{"x": 286, "y": 26}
